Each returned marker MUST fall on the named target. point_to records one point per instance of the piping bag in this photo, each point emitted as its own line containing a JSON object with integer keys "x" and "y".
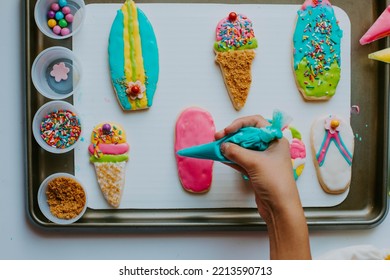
{"x": 252, "y": 138}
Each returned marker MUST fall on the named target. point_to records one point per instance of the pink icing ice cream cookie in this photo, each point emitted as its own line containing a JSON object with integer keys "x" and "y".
{"x": 194, "y": 126}
{"x": 297, "y": 150}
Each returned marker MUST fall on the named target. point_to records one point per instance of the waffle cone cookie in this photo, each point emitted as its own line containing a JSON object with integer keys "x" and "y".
{"x": 237, "y": 75}
{"x": 234, "y": 48}
{"x": 109, "y": 154}
{"x": 111, "y": 179}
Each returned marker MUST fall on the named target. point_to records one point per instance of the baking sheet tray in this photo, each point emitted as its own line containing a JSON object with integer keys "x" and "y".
{"x": 365, "y": 205}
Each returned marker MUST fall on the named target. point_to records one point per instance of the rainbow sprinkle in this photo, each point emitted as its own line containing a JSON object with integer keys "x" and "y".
{"x": 60, "y": 129}
{"x": 235, "y": 34}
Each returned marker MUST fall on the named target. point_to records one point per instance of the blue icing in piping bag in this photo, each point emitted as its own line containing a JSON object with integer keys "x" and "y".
{"x": 252, "y": 138}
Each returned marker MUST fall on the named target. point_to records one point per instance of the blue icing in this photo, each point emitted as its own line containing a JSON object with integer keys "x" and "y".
{"x": 150, "y": 55}
{"x": 252, "y": 138}
{"x": 328, "y": 35}
{"x": 116, "y": 60}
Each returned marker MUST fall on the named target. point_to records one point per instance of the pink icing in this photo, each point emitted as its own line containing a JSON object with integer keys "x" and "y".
{"x": 314, "y": 3}
{"x": 297, "y": 149}
{"x": 380, "y": 28}
{"x": 110, "y": 149}
{"x": 194, "y": 126}
{"x": 242, "y": 27}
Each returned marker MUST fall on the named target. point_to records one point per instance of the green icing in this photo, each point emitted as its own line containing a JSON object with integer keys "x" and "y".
{"x": 324, "y": 84}
{"x": 110, "y": 158}
{"x": 223, "y": 47}
{"x": 295, "y": 133}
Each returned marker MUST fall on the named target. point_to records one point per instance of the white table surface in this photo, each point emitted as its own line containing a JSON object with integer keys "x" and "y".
{"x": 21, "y": 240}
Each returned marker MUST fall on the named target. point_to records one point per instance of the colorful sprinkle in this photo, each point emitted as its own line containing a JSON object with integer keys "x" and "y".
{"x": 235, "y": 34}
{"x": 60, "y": 129}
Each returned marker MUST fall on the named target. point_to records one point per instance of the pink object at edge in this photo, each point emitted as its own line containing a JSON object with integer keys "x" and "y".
{"x": 380, "y": 28}
{"x": 311, "y": 3}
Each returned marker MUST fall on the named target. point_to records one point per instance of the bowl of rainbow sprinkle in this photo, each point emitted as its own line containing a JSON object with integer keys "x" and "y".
{"x": 57, "y": 127}
{"x": 59, "y": 19}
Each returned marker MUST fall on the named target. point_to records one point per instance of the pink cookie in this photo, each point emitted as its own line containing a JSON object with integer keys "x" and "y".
{"x": 194, "y": 126}
{"x": 380, "y": 28}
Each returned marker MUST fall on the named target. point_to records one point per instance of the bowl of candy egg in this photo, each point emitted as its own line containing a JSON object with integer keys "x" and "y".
{"x": 59, "y": 19}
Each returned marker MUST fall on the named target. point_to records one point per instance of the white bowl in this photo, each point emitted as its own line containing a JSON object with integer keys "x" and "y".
{"x": 42, "y": 8}
{"x": 44, "y": 206}
{"x": 39, "y": 116}
{"x": 44, "y": 64}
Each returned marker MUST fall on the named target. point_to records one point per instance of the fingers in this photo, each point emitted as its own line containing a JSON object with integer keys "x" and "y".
{"x": 255, "y": 121}
{"x": 238, "y": 155}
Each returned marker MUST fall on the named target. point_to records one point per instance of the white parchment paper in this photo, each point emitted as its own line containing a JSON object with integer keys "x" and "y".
{"x": 190, "y": 77}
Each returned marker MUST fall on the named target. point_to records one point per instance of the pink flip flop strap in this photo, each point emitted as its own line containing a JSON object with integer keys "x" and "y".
{"x": 333, "y": 137}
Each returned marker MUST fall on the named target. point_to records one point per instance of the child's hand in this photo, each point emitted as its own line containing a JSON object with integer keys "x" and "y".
{"x": 271, "y": 175}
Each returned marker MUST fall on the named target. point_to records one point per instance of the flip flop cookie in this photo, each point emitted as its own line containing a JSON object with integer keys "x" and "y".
{"x": 194, "y": 126}
{"x": 316, "y": 56}
{"x": 297, "y": 150}
{"x": 332, "y": 143}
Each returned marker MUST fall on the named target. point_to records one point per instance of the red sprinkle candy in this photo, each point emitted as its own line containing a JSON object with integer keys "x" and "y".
{"x": 232, "y": 16}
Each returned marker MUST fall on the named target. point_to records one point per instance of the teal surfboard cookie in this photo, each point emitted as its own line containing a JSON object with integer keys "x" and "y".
{"x": 133, "y": 58}
{"x": 317, "y": 44}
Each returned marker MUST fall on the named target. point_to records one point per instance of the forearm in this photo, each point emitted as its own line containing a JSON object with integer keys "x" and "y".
{"x": 288, "y": 234}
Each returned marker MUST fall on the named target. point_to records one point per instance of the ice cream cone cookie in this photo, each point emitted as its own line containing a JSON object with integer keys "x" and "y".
{"x": 382, "y": 55}
{"x": 194, "y": 126}
{"x": 332, "y": 143}
{"x": 380, "y": 28}
{"x": 316, "y": 55}
{"x": 109, "y": 154}
{"x": 133, "y": 58}
{"x": 297, "y": 150}
{"x": 234, "y": 48}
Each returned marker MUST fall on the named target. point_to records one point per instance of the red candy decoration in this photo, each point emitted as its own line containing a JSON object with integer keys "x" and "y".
{"x": 135, "y": 89}
{"x": 232, "y": 16}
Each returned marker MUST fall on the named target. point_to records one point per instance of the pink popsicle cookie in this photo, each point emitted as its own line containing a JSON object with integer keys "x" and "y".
{"x": 194, "y": 126}
{"x": 332, "y": 143}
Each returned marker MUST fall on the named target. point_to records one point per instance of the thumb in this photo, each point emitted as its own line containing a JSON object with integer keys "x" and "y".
{"x": 237, "y": 154}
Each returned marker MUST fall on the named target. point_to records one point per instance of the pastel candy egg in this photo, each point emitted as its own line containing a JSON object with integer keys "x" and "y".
{"x": 65, "y": 31}
{"x": 55, "y": 7}
{"x": 66, "y": 10}
{"x": 62, "y": 3}
{"x": 63, "y": 23}
{"x": 69, "y": 18}
{"x": 51, "y": 14}
{"x": 51, "y": 23}
{"x": 59, "y": 15}
{"x": 57, "y": 29}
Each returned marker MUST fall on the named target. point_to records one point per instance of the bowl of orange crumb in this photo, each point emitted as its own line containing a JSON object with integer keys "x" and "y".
{"x": 62, "y": 198}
